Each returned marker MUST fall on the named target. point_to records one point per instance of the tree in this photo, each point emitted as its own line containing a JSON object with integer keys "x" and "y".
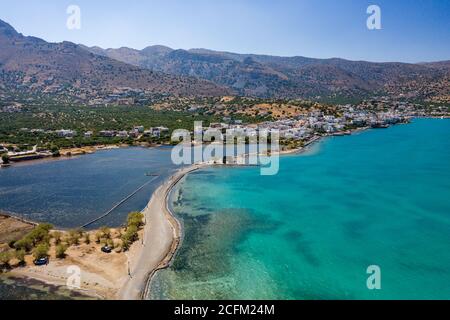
{"x": 98, "y": 236}
{"x": 55, "y": 151}
{"x": 110, "y": 243}
{"x": 5, "y": 158}
{"x": 130, "y": 236}
{"x": 125, "y": 243}
{"x": 41, "y": 251}
{"x": 40, "y": 234}
{"x": 4, "y": 258}
{"x": 74, "y": 237}
{"x": 45, "y": 226}
{"x": 132, "y": 233}
{"x": 106, "y": 232}
{"x": 61, "y": 251}
{"x": 135, "y": 218}
{"x": 25, "y": 243}
{"x": 20, "y": 255}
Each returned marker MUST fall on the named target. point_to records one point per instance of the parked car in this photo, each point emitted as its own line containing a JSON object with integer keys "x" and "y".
{"x": 106, "y": 249}
{"x": 41, "y": 262}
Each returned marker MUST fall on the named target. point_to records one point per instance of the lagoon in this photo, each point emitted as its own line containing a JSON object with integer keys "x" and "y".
{"x": 71, "y": 192}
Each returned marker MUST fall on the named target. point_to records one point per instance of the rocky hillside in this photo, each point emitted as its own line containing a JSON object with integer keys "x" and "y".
{"x": 32, "y": 64}
{"x": 287, "y": 77}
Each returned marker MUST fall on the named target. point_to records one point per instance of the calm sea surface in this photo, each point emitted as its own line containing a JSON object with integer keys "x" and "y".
{"x": 381, "y": 197}
{"x": 70, "y": 193}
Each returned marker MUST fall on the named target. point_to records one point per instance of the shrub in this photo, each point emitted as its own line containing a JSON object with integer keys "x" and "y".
{"x": 87, "y": 238}
{"x": 125, "y": 243}
{"x": 110, "y": 243}
{"x": 132, "y": 233}
{"x": 41, "y": 251}
{"x": 130, "y": 236}
{"x": 38, "y": 235}
{"x": 55, "y": 151}
{"x": 98, "y": 237}
{"x": 74, "y": 237}
{"x": 25, "y": 243}
{"x": 61, "y": 251}
{"x": 20, "y": 255}
{"x": 5, "y": 159}
{"x": 106, "y": 232}
{"x": 4, "y": 258}
{"x": 57, "y": 236}
{"x": 136, "y": 219}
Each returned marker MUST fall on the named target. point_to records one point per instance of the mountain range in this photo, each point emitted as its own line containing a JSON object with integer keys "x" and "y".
{"x": 32, "y": 64}
{"x": 81, "y": 71}
{"x": 291, "y": 77}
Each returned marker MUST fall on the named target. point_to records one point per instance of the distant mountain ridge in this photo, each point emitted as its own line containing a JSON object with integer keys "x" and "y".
{"x": 291, "y": 77}
{"x": 33, "y": 64}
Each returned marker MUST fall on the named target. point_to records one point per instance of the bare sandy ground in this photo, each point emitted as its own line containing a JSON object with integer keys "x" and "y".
{"x": 102, "y": 275}
{"x": 12, "y": 229}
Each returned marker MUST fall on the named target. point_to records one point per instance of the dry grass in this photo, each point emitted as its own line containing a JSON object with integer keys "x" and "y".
{"x": 12, "y": 229}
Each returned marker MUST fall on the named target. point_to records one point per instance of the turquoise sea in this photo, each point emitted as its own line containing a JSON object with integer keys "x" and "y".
{"x": 380, "y": 197}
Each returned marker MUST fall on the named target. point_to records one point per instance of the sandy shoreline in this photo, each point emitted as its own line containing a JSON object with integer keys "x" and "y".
{"x": 162, "y": 236}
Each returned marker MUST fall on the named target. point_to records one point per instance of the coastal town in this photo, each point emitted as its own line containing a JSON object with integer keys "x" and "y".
{"x": 296, "y": 130}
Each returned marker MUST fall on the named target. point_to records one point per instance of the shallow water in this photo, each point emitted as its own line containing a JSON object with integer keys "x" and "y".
{"x": 70, "y": 193}
{"x": 380, "y": 197}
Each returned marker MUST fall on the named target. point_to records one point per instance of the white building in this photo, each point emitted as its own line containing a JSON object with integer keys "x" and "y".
{"x": 66, "y": 133}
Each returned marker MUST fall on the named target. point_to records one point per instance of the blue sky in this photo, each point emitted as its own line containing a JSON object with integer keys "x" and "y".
{"x": 412, "y": 31}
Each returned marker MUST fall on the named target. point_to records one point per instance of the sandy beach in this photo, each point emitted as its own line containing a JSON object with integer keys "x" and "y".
{"x": 162, "y": 235}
